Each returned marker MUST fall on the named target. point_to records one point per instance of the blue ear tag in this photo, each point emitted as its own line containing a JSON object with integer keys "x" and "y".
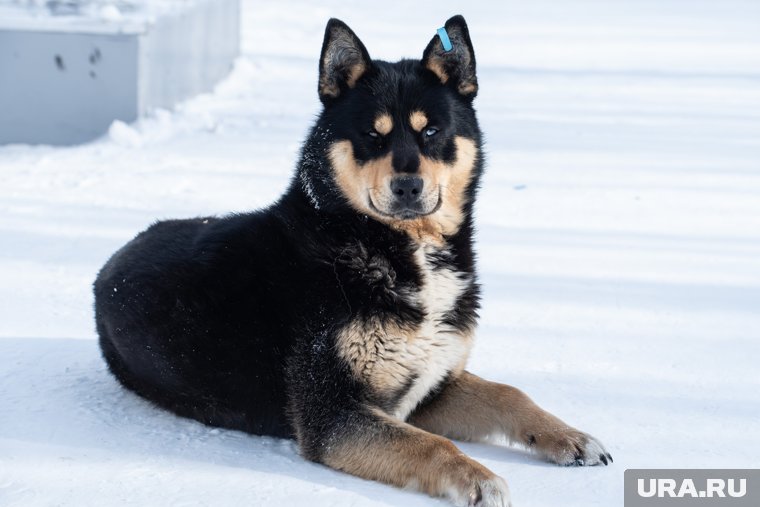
{"x": 444, "y": 36}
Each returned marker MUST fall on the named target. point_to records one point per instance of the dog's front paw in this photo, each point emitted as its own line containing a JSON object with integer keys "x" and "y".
{"x": 491, "y": 492}
{"x": 570, "y": 447}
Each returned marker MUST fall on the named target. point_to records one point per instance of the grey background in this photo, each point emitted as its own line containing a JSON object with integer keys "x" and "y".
{"x": 700, "y": 476}
{"x": 68, "y": 86}
{"x": 54, "y": 88}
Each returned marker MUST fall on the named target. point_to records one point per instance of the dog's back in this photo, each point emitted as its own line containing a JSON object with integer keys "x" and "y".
{"x": 187, "y": 313}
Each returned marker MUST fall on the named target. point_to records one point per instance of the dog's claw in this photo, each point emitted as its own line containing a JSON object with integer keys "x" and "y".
{"x": 573, "y": 448}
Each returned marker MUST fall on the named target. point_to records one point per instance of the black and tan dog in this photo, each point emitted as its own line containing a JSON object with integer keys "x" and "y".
{"x": 342, "y": 315}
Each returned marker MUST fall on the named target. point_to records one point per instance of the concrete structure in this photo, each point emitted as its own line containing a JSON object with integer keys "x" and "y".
{"x": 64, "y": 83}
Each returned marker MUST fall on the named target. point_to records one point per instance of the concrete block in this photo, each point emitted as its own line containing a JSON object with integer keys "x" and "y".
{"x": 64, "y": 81}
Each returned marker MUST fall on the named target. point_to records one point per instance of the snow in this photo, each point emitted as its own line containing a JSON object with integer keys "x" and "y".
{"x": 103, "y": 10}
{"x": 619, "y": 250}
{"x": 109, "y": 16}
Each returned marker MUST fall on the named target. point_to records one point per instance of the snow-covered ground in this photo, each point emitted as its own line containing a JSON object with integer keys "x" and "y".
{"x": 619, "y": 240}
{"x": 61, "y": 13}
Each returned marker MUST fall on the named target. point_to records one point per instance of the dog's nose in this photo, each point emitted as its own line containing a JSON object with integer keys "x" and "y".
{"x": 407, "y": 189}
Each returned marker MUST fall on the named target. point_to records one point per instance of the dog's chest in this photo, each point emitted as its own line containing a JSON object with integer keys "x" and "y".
{"x": 443, "y": 348}
{"x": 403, "y": 363}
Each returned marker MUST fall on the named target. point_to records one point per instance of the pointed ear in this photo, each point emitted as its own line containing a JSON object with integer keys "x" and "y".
{"x": 343, "y": 61}
{"x": 455, "y": 67}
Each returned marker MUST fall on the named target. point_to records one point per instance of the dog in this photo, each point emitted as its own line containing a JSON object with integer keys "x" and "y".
{"x": 342, "y": 315}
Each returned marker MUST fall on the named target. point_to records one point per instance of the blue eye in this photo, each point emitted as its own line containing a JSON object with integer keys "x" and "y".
{"x": 373, "y": 134}
{"x": 431, "y": 131}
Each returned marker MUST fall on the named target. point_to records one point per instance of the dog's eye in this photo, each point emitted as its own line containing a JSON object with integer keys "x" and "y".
{"x": 373, "y": 134}
{"x": 431, "y": 131}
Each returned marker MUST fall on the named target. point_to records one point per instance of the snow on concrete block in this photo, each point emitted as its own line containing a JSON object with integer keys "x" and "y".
{"x": 66, "y": 76}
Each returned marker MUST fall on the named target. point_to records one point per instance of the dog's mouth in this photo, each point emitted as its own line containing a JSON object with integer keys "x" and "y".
{"x": 406, "y": 212}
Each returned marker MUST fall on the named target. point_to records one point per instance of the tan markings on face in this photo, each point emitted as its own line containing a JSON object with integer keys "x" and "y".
{"x": 418, "y": 120}
{"x": 452, "y": 180}
{"x": 383, "y": 124}
{"x": 368, "y": 185}
{"x": 358, "y": 181}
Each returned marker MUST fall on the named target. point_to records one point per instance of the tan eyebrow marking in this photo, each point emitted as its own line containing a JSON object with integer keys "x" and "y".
{"x": 418, "y": 120}
{"x": 383, "y": 124}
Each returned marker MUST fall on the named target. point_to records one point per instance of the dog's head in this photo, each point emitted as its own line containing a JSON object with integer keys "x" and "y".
{"x": 401, "y": 139}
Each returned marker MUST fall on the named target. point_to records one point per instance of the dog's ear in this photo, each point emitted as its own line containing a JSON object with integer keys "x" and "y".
{"x": 343, "y": 61}
{"x": 455, "y": 67}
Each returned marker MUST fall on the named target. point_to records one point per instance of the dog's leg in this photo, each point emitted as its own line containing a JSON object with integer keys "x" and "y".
{"x": 372, "y": 445}
{"x": 470, "y": 408}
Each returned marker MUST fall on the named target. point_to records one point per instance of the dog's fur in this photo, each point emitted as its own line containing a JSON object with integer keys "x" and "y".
{"x": 343, "y": 314}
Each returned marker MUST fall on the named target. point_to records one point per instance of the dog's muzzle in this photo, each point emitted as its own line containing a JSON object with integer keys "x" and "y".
{"x": 407, "y": 191}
